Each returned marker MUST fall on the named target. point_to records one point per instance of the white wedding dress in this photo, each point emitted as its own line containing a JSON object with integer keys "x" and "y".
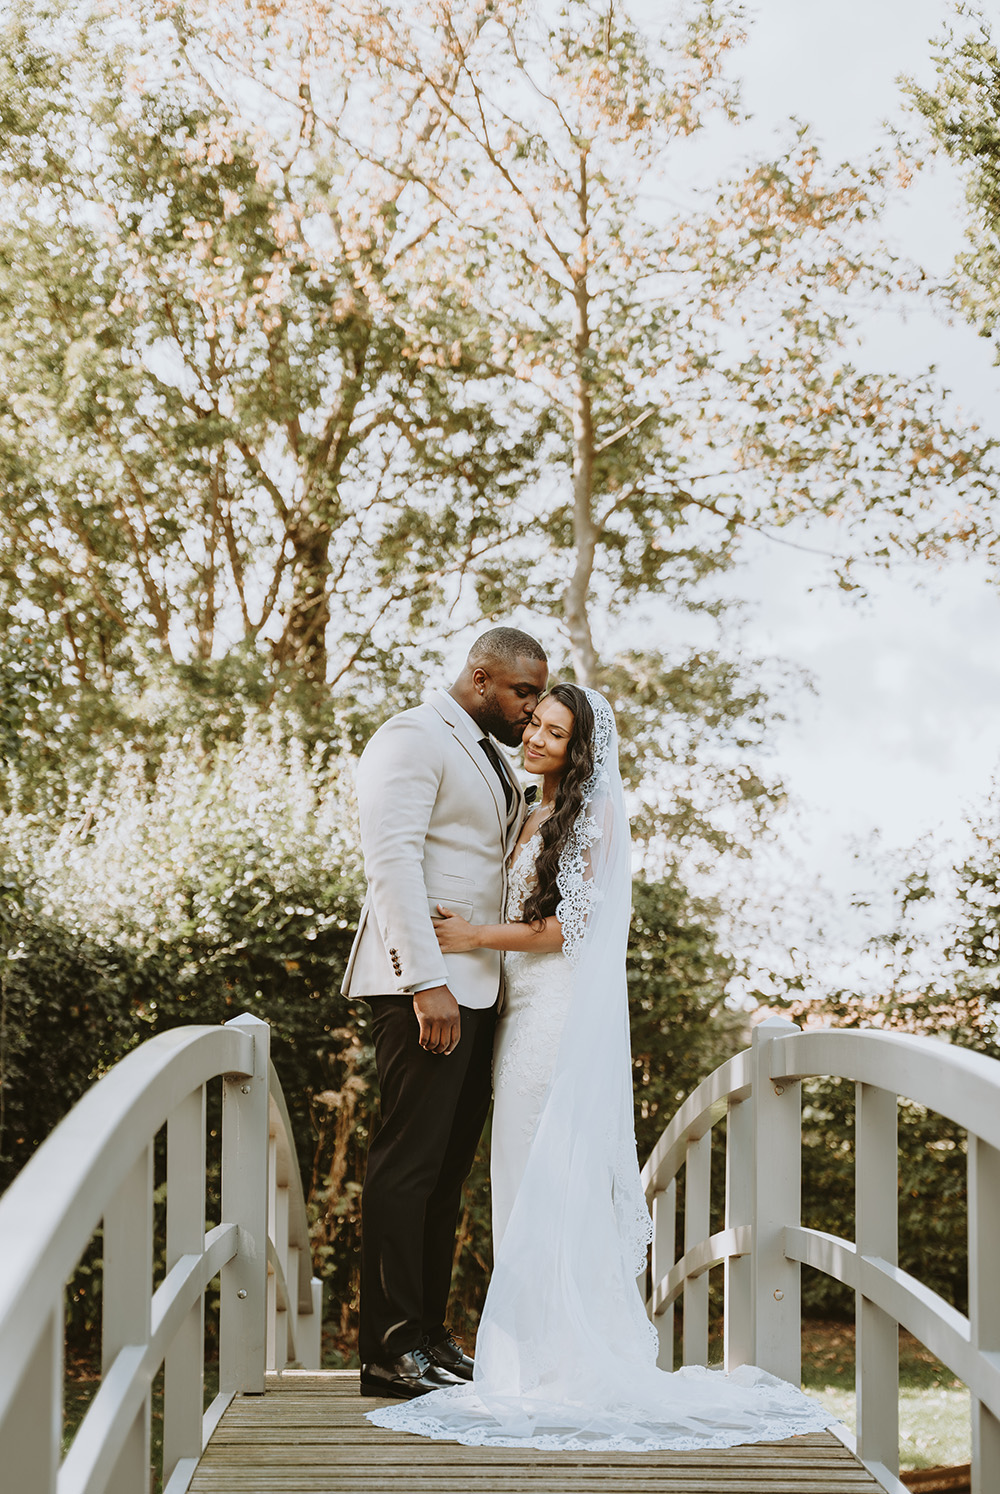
{"x": 538, "y": 990}
{"x": 565, "y": 1354}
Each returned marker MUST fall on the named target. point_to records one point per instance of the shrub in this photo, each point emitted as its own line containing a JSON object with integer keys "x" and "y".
{"x": 226, "y": 882}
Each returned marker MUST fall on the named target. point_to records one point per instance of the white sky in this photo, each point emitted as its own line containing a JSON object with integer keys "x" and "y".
{"x": 902, "y": 735}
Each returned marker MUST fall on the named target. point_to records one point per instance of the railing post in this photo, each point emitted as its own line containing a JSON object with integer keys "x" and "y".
{"x": 31, "y": 1431}
{"x": 184, "y": 1365}
{"x": 876, "y": 1232}
{"x": 777, "y": 1192}
{"x": 278, "y": 1317}
{"x": 663, "y": 1256}
{"x": 243, "y": 1306}
{"x": 984, "y": 1302}
{"x": 128, "y": 1293}
{"x": 739, "y": 1209}
{"x": 309, "y": 1330}
{"x": 697, "y": 1180}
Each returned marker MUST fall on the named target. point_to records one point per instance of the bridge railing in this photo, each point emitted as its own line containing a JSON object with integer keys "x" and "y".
{"x": 96, "y": 1170}
{"x": 763, "y": 1244}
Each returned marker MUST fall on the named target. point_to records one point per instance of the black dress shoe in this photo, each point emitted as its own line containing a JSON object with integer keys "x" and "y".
{"x": 449, "y": 1355}
{"x": 406, "y": 1376}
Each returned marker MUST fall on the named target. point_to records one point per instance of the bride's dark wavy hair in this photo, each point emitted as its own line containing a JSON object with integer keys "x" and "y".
{"x": 544, "y": 898}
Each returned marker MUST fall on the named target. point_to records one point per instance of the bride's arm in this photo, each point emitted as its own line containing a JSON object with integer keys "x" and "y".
{"x": 456, "y": 936}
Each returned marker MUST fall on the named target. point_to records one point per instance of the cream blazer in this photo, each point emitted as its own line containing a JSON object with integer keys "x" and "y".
{"x": 434, "y": 829}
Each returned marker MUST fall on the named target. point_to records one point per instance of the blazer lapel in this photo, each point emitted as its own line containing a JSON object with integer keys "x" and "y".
{"x": 464, "y": 735}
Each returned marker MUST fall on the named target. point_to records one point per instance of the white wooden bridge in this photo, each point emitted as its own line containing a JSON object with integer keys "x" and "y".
{"x": 279, "y": 1425}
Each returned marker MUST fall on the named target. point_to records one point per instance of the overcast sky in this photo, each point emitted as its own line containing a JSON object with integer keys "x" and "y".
{"x": 902, "y": 735}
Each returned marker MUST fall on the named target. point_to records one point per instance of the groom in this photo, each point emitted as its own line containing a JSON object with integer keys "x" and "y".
{"x": 438, "y": 809}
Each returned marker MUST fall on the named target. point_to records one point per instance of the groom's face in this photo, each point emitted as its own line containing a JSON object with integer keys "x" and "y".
{"x": 509, "y": 695}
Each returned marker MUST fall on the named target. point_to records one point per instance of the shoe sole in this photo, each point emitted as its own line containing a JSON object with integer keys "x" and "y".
{"x": 390, "y": 1392}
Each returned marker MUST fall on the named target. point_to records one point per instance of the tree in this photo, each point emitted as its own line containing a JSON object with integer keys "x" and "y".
{"x": 26, "y": 686}
{"x": 230, "y": 421}
{"x": 961, "y": 120}
{"x": 229, "y": 884}
{"x": 681, "y": 1026}
{"x": 328, "y": 329}
{"x": 938, "y": 978}
{"x": 684, "y": 368}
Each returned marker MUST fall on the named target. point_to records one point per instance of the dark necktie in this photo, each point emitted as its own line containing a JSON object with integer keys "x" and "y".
{"x": 498, "y": 768}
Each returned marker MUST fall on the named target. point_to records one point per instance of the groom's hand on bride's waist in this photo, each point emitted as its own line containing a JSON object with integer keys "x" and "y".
{"x": 440, "y": 1022}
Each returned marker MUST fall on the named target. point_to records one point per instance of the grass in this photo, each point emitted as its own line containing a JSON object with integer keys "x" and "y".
{"x": 934, "y": 1427}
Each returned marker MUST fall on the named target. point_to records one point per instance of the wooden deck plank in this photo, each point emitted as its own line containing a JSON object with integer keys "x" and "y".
{"x": 359, "y": 1448}
{"x": 319, "y": 1480}
{"x": 323, "y": 1476}
{"x": 308, "y": 1435}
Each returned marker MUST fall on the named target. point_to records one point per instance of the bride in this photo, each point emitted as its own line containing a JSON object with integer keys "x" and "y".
{"x": 565, "y": 1354}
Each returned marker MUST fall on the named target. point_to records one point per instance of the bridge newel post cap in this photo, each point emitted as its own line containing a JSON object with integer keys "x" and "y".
{"x": 248, "y": 1020}
{"x": 772, "y": 1027}
{"x": 260, "y": 1032}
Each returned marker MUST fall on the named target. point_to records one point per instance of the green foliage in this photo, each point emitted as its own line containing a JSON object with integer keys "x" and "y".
{"x": 681, "y": 1026}
{"x": 687, "y": 366}
{"x": 299, "y": 377}
{"x": 226, "y": 883}
{"x": 975, "y": 946}
{"x": 961, "y": 120}
{"x": 939, "y": 980}
{"x": 66, "y": 1015}
{"x": 294, "y": 382}
{"x": 933, "y": 1239}
{"x": 228, "y": 418}
{"x": 27, "y": 682}
{"x": 691, "y": 725}
{"x": 961, "y": 116}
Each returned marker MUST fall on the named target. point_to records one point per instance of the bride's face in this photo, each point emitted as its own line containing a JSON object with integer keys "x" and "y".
{"x": 546, "y": 738}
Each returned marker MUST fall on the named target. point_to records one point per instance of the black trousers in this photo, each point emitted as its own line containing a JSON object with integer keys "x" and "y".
{"x": 432, "y": 1111}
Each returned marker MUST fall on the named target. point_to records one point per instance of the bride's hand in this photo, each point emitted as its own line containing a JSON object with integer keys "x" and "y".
{"x": 454, "y": 934}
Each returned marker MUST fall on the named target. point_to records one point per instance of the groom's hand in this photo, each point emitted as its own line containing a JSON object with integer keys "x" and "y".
{"x": 440, "y": 1022}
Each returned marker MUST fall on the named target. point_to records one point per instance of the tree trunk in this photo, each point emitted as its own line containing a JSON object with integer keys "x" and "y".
{"x": 585, "y": 534}
{"x": 303, "y": 642}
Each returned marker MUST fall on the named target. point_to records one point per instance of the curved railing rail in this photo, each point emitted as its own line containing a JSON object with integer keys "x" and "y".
{"x": 97, "y": 1169}
{"x": 763, "y": 1244}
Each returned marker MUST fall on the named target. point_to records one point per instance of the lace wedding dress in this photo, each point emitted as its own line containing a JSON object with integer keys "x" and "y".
{"x": 565, "y": 1354}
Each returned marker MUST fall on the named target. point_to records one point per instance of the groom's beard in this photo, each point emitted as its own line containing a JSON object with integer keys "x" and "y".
{"x": 507, "y": 732}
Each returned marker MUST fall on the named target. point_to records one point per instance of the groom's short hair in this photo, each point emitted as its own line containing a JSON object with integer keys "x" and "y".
{"x": 508, "y": 645}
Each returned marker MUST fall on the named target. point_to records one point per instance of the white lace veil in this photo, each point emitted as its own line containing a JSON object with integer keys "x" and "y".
{"x": 565, "y": 1354}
